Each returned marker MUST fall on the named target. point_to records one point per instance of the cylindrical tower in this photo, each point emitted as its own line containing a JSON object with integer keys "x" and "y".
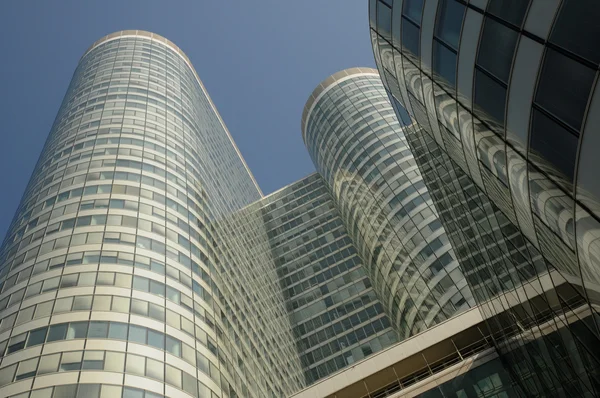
{"x": 357, "y": 144}
{"x": 115, "y": 279}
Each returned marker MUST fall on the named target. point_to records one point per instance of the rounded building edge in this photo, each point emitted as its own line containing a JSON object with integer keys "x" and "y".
{"x": 324, "y": 85}
{"x": 135, "y": 32}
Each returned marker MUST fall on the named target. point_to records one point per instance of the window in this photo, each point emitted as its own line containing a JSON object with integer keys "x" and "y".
{"x": 444, "y": 62}
{"x": 410, "y": 37}
{"x": 37, "y": 337}
{"x": 117, "y": 331}
{"x": 413, "y": 9}
{"x": 490, "y": 96}
{"x": 57, "y": 332}
{"x": 384, "y": 21}
{"x": 449, "y": 22}
{"x": 497, "y": 49}
{"x": 98, "y": 330}
{"x": 577, "y": 28}
{"x": 137, "y": 334}
{"x": 564, "y": 87}
{"x": 555, "y": 143}
{"x": 77, "y": 330}
{"x": 512, "y": 11}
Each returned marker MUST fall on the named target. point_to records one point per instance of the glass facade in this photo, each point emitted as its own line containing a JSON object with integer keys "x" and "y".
{"x": 119, "y": 274}
{"x": 357, "y": 145}
{"x": 500, "y": 102}
{"x": 336, "y": 316}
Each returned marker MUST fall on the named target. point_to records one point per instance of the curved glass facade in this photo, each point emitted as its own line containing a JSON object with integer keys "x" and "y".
{"x": 503, "y": 99}
{"x": 358, "y": 146}
{"x": 120, "y": 273}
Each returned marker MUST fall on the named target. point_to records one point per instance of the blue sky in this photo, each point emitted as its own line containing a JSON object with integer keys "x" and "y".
{"x": 259, "y": 60}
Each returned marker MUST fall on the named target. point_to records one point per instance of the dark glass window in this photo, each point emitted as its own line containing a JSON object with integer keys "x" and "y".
{"x": 98, "y": 330}
{"x": 554, "y": 143}
{"x": 373, "y": 12}
{"x": 413, "y": 9}
{"x": 564, "y": 87}
{"x": 497, "y": 49}
{"x": 117, "y": 331}
{"x": 444, "y": 62}
{"x": 137, "y": 334}
{"x": 449, "y": 22}
{"x": 512, "y": 11}
{"x": 410, "y": 37}
{"x": 57, "y": 332}
{"x": 384, "y": 21}
{"x": 36, "y": 337}
{"x": 577, "y": 28}
{"x": 490, "y": 96}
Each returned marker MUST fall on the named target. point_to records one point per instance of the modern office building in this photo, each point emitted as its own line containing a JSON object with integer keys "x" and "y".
{"x": 336, "y": 316}
{"x": 357, "y": 145}
{"x": 120, "y": 272}
{"x": 500, "y": 104}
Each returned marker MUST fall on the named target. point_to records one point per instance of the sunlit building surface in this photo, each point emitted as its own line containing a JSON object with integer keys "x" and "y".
{"x": 357, "y": 145}
{"x": 120, "y": 272}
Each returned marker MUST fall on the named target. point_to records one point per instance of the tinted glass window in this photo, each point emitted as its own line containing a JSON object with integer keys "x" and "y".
{"x": 384, "y": 21}
{"x": 554, "y": 143}
{"x": 490, "y": 96}
{"x": 410, "y": 37}
{"x": 512, "y": 11}
{"x": 57, "y": 332}
{"x": 497, "y": 49}
{"x": 413, "y": 9}
{"x": 577, "y": 28}
{"x": 444, "y": 62}
{"x": 564, "y": 87}
{"x": 449, "y": 23}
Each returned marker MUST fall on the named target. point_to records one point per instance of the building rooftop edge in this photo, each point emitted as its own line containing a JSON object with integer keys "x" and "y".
{"x": 173, "y": 46}
{"x": 332, "y": 79}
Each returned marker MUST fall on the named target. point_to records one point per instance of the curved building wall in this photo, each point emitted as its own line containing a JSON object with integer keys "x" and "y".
{"x": 503, "y": 96}
{"x": 509, "y": 92}
{"x": 357, "y": 145}
{"x": 119, "y": 276}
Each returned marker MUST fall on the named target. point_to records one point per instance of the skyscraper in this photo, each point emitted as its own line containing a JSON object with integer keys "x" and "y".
{"x": 357, "y": 145}
{"x": 120, "y": 268}
{"x": 501, "y": 113}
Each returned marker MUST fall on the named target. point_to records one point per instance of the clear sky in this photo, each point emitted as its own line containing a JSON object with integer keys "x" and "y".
{"x": 259, "y": 60}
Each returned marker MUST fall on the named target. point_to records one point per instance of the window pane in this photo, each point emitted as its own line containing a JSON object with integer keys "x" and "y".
{"x": 450, "y": 16}
{"x": 137, "y": 334}
{"x": 156, "y": 339}
{"x": 577, "y": 28}
{"x": 98, "y": 330}
{"x": 413, "y": 9}
{"x": 174, "y": 346}
{"x": 129, "y": 392}
{"x": 490, "y": 96}
{"x": 564, "y": 87}
{"x": 444, "y": 62}
{"x": 77, "y": 330}
{"x": 36, "y": 337}
{"x": 497, "y": 49}
{"x": 155, "y": 369}
{"x": 135, "y": 365}
{"x": 512, "y": 11}
{"x": 556, "y": 144}
{"x": 410, "y": 37}
{"x": 88, "y": 391}
{"x": 57, "y": 332}
{"x": 117, "y": 331}
{"x": 114, "y": 361}
{"x": 49, "y": 364}
{"x": 384, "y": 21}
